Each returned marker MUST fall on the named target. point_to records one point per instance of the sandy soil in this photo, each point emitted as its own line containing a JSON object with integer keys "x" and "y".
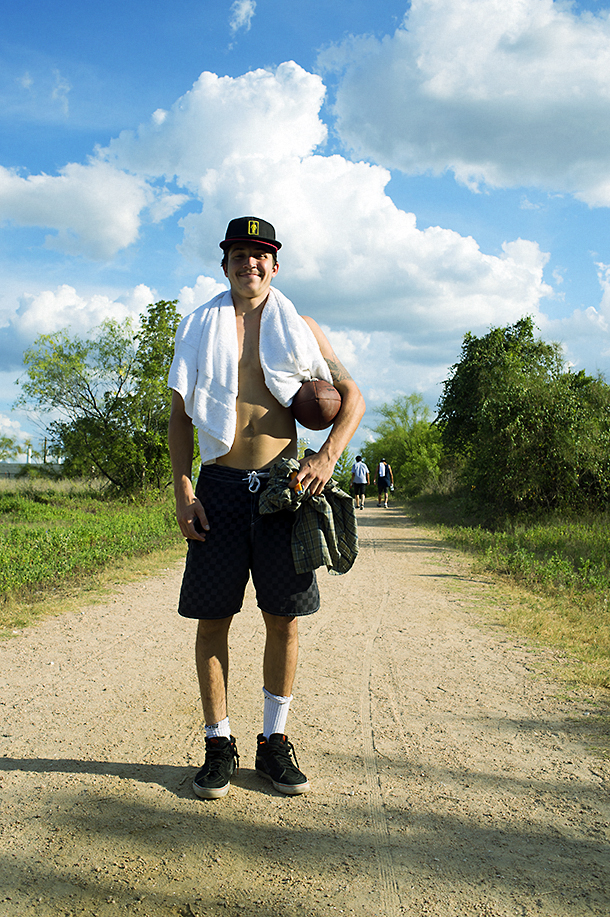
{"x": 449, "y": 776}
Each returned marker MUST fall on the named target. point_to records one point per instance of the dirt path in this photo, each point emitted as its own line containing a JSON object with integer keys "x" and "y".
{"x": 448, "y": 778}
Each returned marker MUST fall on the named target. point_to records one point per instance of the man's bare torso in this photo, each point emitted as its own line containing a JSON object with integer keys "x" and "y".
{"x": 265, "y": 429}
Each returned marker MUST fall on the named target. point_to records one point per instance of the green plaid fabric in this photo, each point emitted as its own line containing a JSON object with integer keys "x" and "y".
{"x": 325, "y": 532}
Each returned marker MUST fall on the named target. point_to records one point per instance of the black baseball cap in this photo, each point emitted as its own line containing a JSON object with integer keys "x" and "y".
{"x": 250, "y": 229}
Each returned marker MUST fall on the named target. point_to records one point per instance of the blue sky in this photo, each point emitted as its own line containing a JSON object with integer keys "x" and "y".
{"x": 432, "y": 168}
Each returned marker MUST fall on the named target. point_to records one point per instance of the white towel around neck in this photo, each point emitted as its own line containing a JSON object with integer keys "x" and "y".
{"x": 204, "y": 368}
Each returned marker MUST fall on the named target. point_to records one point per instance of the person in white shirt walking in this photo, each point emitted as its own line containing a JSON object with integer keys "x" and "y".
{"x": 384, "y": 480}
{"x": 360, "y": 478}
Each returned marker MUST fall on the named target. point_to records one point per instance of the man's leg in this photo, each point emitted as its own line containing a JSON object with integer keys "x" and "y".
{"x": 221, "y": 758}
{"x": 215, "y": 578}
{"x": 281, "y": 654}
{"x": 274, "y": 752}
{"x": 280, "y": 589}
{"x": 212, "y": 657}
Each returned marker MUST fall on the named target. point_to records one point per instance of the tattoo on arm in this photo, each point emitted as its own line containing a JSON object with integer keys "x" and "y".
{"x": 338, "y": 371}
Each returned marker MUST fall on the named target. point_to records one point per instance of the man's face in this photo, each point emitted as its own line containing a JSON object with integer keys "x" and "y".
{"x": 250, "y": 269}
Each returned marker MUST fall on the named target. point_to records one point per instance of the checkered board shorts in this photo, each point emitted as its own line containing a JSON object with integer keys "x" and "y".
{"x": 241, "y": 541}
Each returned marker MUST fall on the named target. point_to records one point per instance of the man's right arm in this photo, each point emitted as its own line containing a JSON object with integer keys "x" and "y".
{"x": 181, "y": 440}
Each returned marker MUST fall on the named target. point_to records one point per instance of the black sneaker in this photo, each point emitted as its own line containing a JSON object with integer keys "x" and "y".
{"x": 221, "y": 762}
{"x": 274, "y": 762}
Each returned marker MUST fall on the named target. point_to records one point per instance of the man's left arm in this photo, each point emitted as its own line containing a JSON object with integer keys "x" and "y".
{"x": 316, "y": 470}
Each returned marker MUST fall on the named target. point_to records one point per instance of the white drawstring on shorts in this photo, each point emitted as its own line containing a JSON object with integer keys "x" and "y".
{"x": 254, "y": 479}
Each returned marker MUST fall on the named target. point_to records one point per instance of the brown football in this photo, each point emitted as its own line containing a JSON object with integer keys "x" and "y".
{"x": 316, "y": 404}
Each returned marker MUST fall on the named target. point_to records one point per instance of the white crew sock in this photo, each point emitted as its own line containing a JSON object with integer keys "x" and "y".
{"x": 214, "y": 730}
{"x": 275, "y": 713}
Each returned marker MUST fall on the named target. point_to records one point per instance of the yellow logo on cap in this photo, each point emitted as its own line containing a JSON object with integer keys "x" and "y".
{"x": 253, "y": 228}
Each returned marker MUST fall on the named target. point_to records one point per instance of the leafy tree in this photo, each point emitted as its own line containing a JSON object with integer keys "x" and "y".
{"x": 485, "y": 366}
{"x": 343, "y": 469}
{"x": 9, "y": 448}
{"x": 529, "y": 434}
{"x": 153, "y": 360}
{"x": 109, "y": 392}
{"x": 409, "y": 441}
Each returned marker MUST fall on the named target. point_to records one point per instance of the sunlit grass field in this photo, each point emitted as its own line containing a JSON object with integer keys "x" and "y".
{"x": 54, "y": 533}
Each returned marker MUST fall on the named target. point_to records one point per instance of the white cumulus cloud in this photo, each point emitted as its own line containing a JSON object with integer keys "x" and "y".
{"x": 221, "y": 121}
{"x": 251, "y": 145}
{"x": 52, "y": 310}
{"x": 505, "y": 94}
{"x": 205, "y": 289}
{"x": 242, "y": 12}
{"x": 48, "y": 311}
{"x": 10, "y": 427}
{"x": 350, "y": 257}
{"x": 94, "y": 208}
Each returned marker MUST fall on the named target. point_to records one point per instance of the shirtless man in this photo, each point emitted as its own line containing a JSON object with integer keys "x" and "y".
{"x": 218, "y": 535}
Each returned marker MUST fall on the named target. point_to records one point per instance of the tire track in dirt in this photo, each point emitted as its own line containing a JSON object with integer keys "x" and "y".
{"x": 389, "y": 887}
{"x": 390, "y": 896}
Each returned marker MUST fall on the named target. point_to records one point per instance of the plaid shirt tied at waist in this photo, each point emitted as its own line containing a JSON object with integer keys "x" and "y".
{"x": 325, "y": 532}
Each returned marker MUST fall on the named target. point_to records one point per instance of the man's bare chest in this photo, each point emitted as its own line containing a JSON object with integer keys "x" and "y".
{"x": 248, "y": 348}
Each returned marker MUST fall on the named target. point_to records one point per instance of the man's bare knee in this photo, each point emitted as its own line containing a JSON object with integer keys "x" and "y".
{"x": 280, "y": 624}
{"x": 211, "y": 630}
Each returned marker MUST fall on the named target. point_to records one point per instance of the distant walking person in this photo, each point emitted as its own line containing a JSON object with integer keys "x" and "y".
{"x": 360, "y": 478}
{"x": 384, "y": 480}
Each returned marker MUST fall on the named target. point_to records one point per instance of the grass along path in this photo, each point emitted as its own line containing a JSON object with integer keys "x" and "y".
{"x": 55, "y": 536}
{"x": 559, "y": 570}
